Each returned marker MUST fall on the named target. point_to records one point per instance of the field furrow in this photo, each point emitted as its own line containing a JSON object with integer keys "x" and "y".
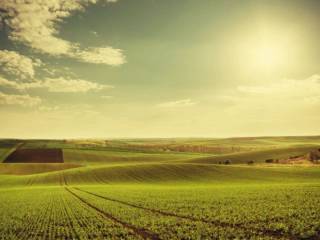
{"x": 146, "y": 234}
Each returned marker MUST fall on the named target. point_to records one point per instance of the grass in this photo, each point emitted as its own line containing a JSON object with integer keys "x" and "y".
{"x": 106, "y": 191}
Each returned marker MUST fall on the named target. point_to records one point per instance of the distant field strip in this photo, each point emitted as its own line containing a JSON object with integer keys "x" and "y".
{"x": 258, "y": 156}
{"x": 145, "y": 234}
{"x": 85, "y": 156}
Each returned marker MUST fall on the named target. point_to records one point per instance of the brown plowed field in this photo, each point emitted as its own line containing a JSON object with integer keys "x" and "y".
{"x": 53, "y": 155}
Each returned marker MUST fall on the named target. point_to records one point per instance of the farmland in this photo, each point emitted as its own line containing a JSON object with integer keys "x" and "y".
{"x": 161, "y": 189}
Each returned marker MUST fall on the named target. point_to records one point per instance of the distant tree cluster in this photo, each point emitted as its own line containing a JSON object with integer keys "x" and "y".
{"x": 270, "y": 160}
{"x": 314, "y": 156}
{"x": 226, "y": 162}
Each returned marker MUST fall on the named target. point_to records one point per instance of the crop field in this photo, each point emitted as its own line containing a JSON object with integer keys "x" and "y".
{"x": 161, "y": 212}
{"x": 102, "y": 190}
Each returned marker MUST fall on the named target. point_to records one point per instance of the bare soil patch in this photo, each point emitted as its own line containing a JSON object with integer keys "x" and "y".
{"x": 53, "y": 155}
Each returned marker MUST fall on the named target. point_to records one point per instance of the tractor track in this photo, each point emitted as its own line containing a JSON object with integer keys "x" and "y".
{"x": 259, "y": 232}
{"x": 145, "y": 234}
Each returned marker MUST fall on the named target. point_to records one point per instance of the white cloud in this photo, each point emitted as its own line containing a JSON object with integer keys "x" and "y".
{"x": 178, "y": 103}
{"x": 16, "y": 64}
{"x": 23, "y": 100}
{"x": 48, "y": 108}
{"x": 106, "y": 97}
{"x": 71, "y": 85}
{"x": 286, "y": 87}
{"x": 95, "y": 33}
{"x": 103, "y": 55}
{"x": 56, "y": 85}
{"x": 6, "y": 83}
{"x": 67, "y": 111}
{"x": 34, "y": 23}
{"x": 286, "y": 97}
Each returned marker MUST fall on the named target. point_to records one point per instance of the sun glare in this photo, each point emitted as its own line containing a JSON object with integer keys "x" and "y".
{"x": 266, "y": 52}
{"x": 267, "y": 55}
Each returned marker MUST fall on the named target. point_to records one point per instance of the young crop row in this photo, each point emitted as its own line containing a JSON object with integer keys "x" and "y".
{"x": 168, "y": 226}
{"x": 287, "y": 211}
{"x": 149, "y": 212}
{"x": 53, "y": 214}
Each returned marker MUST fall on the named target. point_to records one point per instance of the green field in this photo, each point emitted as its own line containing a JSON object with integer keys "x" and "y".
{"x": 162, "y": 189}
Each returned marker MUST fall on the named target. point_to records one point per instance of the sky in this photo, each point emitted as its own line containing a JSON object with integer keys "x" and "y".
{"x": 159, "y": 68}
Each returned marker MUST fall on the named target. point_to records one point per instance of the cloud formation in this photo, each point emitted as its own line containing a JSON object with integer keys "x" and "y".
{"x": 71, "y": 85}
{"x": 178, "y": 103}
{"x": 56, "y": 85}
{"x": 23, "y": 100}
{"x": 18, "y": 65}
{"x": 284, "y": 98}
{"x": 102, "y": 55}
{"x": 41, "y": 32}
{"x": 286, "y": 88}
{"x": 106, "y": 97}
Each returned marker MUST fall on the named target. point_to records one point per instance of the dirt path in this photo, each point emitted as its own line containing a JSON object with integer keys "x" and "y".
{"x": 145, "y": 234}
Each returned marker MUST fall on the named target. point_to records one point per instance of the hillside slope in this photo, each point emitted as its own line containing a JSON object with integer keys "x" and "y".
{"x": 166, "y": 173}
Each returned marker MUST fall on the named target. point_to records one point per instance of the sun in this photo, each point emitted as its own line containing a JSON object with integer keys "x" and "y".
{"x": 268, "y": 55}
{"x": 265, "y": 53}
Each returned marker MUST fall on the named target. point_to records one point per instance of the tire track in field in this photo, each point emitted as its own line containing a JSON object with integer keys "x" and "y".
{"x": 278, "y": 234}
{"x": 145, "y": 234}
{"x": 64, "y": 179}
{"x": 63, "y": 182}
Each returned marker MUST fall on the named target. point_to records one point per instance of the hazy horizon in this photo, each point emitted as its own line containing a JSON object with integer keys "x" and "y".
{"x": 164, "y": 138}
{"x": 159, "y": 69}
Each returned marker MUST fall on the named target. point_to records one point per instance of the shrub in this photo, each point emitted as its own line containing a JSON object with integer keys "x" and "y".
{"x": 227, "y": 162}
{"x": 269, "y": 160}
